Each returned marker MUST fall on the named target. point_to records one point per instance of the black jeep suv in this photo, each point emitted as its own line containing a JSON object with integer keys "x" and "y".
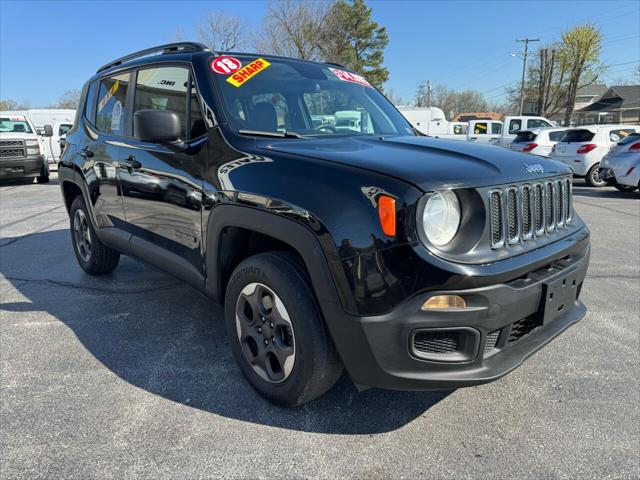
{"x": 294, "y": 193}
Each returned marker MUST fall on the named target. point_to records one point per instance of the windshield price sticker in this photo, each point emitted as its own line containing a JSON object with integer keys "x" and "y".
{"x": 350, "y": 77}
{"x": 225, "y": 65}
{"x": 17, "y": 119}
{"x": 245, "y": 73}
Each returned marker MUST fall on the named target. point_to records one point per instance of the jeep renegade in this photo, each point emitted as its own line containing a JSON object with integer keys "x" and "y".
{"x": 334, "y": 234}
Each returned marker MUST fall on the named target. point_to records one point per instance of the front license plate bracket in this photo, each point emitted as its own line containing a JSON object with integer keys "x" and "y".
{"x": 558, "y": 296}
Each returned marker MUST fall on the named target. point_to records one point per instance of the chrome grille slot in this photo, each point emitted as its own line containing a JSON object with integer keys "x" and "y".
{"x": 512, "y": 215}
{"x": 539, "y": 208}
{"x": 527, "y": 212}
{"x": 522, "y": 212}
{"x": 497, "y": 230}
{"x": 548, "y": 206}
{"x": 559, "y": 201}
{"x": 568, "y": 200}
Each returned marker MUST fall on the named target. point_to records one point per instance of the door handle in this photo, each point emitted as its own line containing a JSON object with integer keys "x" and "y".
{"x": 132, "y": 163}
{"x": 86, "y": 153}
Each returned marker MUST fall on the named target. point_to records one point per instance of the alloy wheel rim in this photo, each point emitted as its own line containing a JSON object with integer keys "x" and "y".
{"x": 595, "y": 177}
{"x": 265, "y": 332}
{"x": 82, "y": 235}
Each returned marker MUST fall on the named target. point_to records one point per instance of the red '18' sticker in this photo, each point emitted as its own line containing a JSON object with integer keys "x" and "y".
{"x": 225, "y": 65}
{"x": 350, "y": 77}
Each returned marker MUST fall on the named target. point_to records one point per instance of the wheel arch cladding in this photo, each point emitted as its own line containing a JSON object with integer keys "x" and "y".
{"x": 281, "y": 232}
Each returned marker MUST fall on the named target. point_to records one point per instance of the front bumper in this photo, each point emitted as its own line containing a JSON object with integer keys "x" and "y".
{"x": 504, "y": 325}
{"x": 22, "y": 167}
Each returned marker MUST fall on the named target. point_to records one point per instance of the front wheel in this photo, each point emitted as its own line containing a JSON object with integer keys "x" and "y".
{"x": 44, "y": 177}
{"x": 276, "y": 331}
{"x": 593, "y": 177}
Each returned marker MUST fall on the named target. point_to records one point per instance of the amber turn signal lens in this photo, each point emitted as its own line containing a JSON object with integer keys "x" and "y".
{"x": 387, "y": 213}
{"x": 444, "y": 301}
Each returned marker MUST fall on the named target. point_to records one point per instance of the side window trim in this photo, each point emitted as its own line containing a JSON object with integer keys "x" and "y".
{"x": 128, "y": 110}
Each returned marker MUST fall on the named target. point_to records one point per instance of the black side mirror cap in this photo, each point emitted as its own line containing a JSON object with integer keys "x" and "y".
{"x": 157, "y": 126}
{"x": 48, "y": 131}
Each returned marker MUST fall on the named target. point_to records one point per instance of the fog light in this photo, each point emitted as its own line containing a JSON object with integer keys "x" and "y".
{"x": 444, "y": 302}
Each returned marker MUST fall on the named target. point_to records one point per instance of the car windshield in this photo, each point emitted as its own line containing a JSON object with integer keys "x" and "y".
{"x": 283, "y": 95}
{"x": 14, "y": 125}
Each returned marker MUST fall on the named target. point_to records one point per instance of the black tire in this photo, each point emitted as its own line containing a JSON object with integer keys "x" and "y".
{"x": 593, "y": 178}
{"x": 44, "y": 178}
{"x": 316, "y": 364}
{"x": 97, "y": 259}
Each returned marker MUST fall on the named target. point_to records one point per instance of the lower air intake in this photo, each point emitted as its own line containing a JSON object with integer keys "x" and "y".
{"x": 436, "y": 343}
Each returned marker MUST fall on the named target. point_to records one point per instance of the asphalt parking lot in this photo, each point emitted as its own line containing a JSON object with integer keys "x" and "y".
{"x": 129, "y": 375}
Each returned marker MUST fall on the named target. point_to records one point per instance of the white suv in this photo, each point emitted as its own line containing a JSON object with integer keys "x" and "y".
{"x": 582, "y": 148}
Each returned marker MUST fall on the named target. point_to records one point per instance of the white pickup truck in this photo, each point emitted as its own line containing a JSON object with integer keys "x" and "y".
{"x": 61, "y": 120}
{"x": 22, "y": 149}
{"x": 513, "y": 124}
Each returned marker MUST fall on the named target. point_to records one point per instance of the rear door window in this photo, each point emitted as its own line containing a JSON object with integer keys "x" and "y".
{"x": 525, "y": 137}
{"x": 112, "y": 96}
{"x": 496, "y": 128}
{"x": 620, "y": 133}
{"x": 578, "y": 136}
{"x": 480, "y": 129}
{"x": 537, "y": 123}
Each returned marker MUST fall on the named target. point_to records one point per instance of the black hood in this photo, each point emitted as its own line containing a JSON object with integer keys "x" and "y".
{"x": 428, "y": 163}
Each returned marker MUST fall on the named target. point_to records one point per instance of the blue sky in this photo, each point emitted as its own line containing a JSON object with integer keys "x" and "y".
{"x": 48, "y": 47}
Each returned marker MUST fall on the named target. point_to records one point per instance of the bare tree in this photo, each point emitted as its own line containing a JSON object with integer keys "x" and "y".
{"x": 393, "y": 97}
{"x": 223, "y": 32}
{"x": 290, "y": 28}
{"x": 69, "y": 99}
{"x": 177, "y": 35}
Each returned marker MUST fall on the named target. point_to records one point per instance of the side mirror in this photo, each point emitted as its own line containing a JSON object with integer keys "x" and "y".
{"x": 48, "y": 131}
{"x": 157, "y": 126}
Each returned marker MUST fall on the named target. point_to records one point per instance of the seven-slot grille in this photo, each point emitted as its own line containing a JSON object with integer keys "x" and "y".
{"x": 522, "y": 212}
{"x": 11, "y": 148}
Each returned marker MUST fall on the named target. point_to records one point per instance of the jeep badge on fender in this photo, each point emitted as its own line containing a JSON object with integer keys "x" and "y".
{"x": 295, "y": 194}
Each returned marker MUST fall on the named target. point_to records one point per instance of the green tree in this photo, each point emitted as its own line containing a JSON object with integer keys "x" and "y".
{"x": 350, "y": 37}
{"x": 579, "y": 56}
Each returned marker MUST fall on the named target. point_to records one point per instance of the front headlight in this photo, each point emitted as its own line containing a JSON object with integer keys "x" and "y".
{"x": 441, "y": 217}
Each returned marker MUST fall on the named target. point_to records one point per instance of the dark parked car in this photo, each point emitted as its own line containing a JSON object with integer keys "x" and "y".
{"x": 416, "y": 263}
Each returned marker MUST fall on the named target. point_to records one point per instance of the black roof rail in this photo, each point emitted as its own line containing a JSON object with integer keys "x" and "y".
{"x": 335, "y": 64}
{"x": 167, "y": 48}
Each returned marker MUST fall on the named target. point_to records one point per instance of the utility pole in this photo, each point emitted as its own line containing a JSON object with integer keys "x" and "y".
{"x": 428, "y": 93}
{"x": 524, "y": 66}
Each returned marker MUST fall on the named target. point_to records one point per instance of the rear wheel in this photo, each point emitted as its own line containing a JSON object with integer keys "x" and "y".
{"x": 277, "y": 334}
{"x": 94, "y": 257}
{"x": 593, "y": 178}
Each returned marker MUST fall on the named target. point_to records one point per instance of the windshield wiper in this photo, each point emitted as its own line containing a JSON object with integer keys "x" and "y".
{"x": 265, "y": 133}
